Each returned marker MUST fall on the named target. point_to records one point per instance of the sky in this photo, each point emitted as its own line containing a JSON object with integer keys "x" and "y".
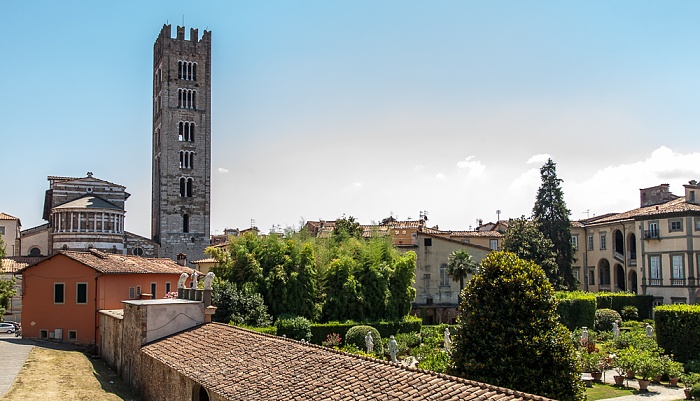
{"x": 324, "y": 109}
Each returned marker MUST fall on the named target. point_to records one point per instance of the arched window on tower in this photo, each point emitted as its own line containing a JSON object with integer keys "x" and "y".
{"x": 194, "y": 72}
{"x": 182, "y": 186}
{"x": 181, "y": 131}
{"x": 190, "y": 181}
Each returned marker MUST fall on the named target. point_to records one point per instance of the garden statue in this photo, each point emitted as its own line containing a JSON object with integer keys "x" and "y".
{"x": 650, "y": 331}
{"x": 393, "y": 349}
{"x": 181, "y": 281}
{"x": 208, "y": 279}
{"x": 194, "y": 283}
{"x": 369, "y": 342}
{"x": 448, "y": 340}
{"x": 584, "y": 336}
{"x": 615, "y": 329}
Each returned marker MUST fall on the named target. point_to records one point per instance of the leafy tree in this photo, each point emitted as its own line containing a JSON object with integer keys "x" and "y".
{"x": 553, "y": 217}
{"x": 509, "y": 333}
{"x": 7, "y": 287}
{"x": 525, "y": 240}
{"x": 2, "y": 249}
{"x": 460, "y": 265}
{"x": 346, "y": 228}
{"x": 244, "y": 307}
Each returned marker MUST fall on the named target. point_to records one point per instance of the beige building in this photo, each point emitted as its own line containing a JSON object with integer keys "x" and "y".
{"x": 654, "y": 249}
{"x": 9, "y": 232}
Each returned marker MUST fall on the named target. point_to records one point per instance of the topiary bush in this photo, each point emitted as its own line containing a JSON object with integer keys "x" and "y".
{"x": 629, "y": 312}
{"x": 356, "y": 336}
{"x": 677, "y": 327}
{"x": 604, "y": 319}
{"x": 298, "y": 328}
{"x": 576, "y": 308}
{"x": 509, "y": 333}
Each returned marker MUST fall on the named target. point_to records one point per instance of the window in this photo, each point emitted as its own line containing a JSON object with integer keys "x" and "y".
{"x": 167, "y": 287}
{"x": 590, "y": 242}
{"x": 427, "y": 241}
{"x": 444, "y": 277}
{"x": 153, "y": 290}
{"x": 43, "y": 334}
{"x": 591, "y": 276}
{"x": 59, "y": 293}
{"x": 186, "y": 187}
{"x": 603, "y": 241}
{"x": 185, "y": 131}
{"x": 654, "y": 270}
{"x": 132, "y": 293}
{"x": 678, "y": 300}
{"x": 577, "y": 274}
{"x": 137, "y": 251}
{"x": 677, "y": 270}
{"x": 675, "y": 225}
{"x": 697, "y": 224}
{"x": 35, "y": 252}
{"x": 574, "y": 242}
{"x": 185, "y": 223}
{"x": 138, "y": 291}
{"x": 187, "y": 70}
{"x": 81, "y": 293}
{"x": 658, "y": 301}
{"x": 72, "y": 335}
{"x": 493, "y": 244}
{"x": 186, "y": 99}
{"x": 2, "y": 230}
{"x": 426, "y": 276}
{"x": 186, "y": 159}
{"x": 653, "y": 231}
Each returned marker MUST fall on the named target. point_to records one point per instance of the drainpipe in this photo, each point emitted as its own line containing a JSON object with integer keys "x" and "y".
{"x": 95, "y": 319}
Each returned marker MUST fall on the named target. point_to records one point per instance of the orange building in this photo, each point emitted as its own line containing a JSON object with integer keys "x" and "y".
{"x": 62, "y": 294}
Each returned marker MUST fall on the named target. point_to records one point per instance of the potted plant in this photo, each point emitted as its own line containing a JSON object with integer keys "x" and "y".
{"x": 648, "y": 367}
{"x": 689, "y": 380}
{"x": 590, "y": 363}
{"x": 623, "y": 362}
{"x": 674, "y": 370}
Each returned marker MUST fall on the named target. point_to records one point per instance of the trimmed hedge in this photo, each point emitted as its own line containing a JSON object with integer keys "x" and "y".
{"x": 356, "y": 336}
{"x": 320, "y": 331}
{"x": 576, "y": 309}
{"x": 677, "y": 328}
{"x": 618, "y": 300}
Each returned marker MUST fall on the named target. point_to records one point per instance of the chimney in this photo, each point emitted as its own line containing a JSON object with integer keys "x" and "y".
{"x": 655, "y": 195}
{"x": 692, "y": 192}
{"x": 182, "y": 259}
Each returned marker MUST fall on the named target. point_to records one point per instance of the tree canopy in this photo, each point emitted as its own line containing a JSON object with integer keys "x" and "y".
{"x": 525, "y": 240}
{"x": 344, "y": 277}
{"x": 509, "y": 333}
{"x": 460, "y": 265}
{"x": 551, "y": 213}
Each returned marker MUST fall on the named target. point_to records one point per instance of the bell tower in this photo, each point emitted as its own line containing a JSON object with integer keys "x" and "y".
{"x": 181, "y": 186}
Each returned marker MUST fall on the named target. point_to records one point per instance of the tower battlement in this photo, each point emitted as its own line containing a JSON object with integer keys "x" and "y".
{"x": 167, "y": 31}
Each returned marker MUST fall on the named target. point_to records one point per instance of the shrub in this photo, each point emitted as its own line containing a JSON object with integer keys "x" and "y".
{"x": 576, "y": 309}
{"x": 356, "y": 336}
{"x": 693, "y": 366}
{"x": 435, "y": 360}
{"x": 410, "y": 339}
{"x": 676, "y": 330}
{"x": 272, "y": 330}
{"x": 509, "y": 333}
{"x": 618, "y": 300}
{"x": 333, "y": 340}
{"x": 629, "y": 312}
{"x": 695, "y": 392}
{"x": 604, "y": 319}
{"x": 298, "y": 328}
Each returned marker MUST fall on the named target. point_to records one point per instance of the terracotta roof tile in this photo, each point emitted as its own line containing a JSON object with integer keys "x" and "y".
{"x": 5, "y": 216}
{"x": 239, "y": 364}
{"x": 675, "y": 206}
{"x": 109, "y": 263}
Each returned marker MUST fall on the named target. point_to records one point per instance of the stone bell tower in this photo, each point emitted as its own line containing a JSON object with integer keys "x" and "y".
{"x": 181, "y": 187}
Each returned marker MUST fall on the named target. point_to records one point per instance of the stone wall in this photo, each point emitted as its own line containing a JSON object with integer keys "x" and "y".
{"x": 111, "y": 332}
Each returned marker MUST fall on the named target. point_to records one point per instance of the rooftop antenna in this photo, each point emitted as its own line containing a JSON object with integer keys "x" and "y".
{"x": 588, "y": 213}
{"x": 498, "y": 214}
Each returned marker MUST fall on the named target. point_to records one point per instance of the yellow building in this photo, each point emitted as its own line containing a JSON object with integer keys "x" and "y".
{"x": 654, "y": 249}
{"x": 9, "y": 232}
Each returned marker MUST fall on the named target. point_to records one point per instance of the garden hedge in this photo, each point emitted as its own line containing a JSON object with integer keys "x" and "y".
{"x": 618, "y": 300}
{"x": 677, "y": 328}
{"x": 320, "y": 331}
{"x": 576, "y": 309}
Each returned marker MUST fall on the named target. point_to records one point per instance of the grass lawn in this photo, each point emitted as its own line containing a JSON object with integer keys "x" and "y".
{"x": 602, "y": 391}
{"x": 60, "y": 374}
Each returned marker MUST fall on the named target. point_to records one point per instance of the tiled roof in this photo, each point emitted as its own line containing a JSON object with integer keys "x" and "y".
{"x": 239, "y": 364}
{"x": 12, "y": 264}
{"x": 88, "y": 202}
{"x": 109, "y": 263}
{"x": 675, "y": 206}
{"x": 468, "y": 234}
{"x": 5, "y": 216}
{"x": 207, "y": 260}
{"x": 34, "y": 230}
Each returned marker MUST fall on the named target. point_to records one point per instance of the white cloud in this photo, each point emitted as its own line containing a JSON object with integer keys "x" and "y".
{"x": 475, "y": 167}
{"x": 222, "y": 170}
{"x": 357, "y": 184}
{"x": 539, "y": 158}
{"x": 440, "y": 176}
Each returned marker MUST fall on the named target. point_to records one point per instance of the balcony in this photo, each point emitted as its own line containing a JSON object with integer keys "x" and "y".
{"x": 678, "y": 282}
{"x": 651, "y": 234}
{"x": 604, "y": 287}
{"x": 619, "y": 256}
{"x": 632, "y": 258}
{"x": 655, "y": 282}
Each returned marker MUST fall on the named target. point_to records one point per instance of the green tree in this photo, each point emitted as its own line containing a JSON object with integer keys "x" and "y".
{"x": 509, "y": 333}
{"x": 553, "y": 217}
{"x": 346, "y": 228}
{"x": 525, "y": 240}
{"x": 244, "y": 307}
{"x": 460, "y": 265}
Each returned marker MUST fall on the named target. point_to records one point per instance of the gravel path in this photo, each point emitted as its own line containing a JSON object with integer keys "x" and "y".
{"x": 14, "y": 351}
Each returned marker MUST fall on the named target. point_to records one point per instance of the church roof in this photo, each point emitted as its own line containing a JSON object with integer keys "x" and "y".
{"x": 88, "y": 202}
{"x": 240, "y": 364}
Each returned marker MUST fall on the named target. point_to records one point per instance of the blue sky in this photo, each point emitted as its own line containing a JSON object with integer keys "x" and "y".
{"x": 363, "y": 108}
